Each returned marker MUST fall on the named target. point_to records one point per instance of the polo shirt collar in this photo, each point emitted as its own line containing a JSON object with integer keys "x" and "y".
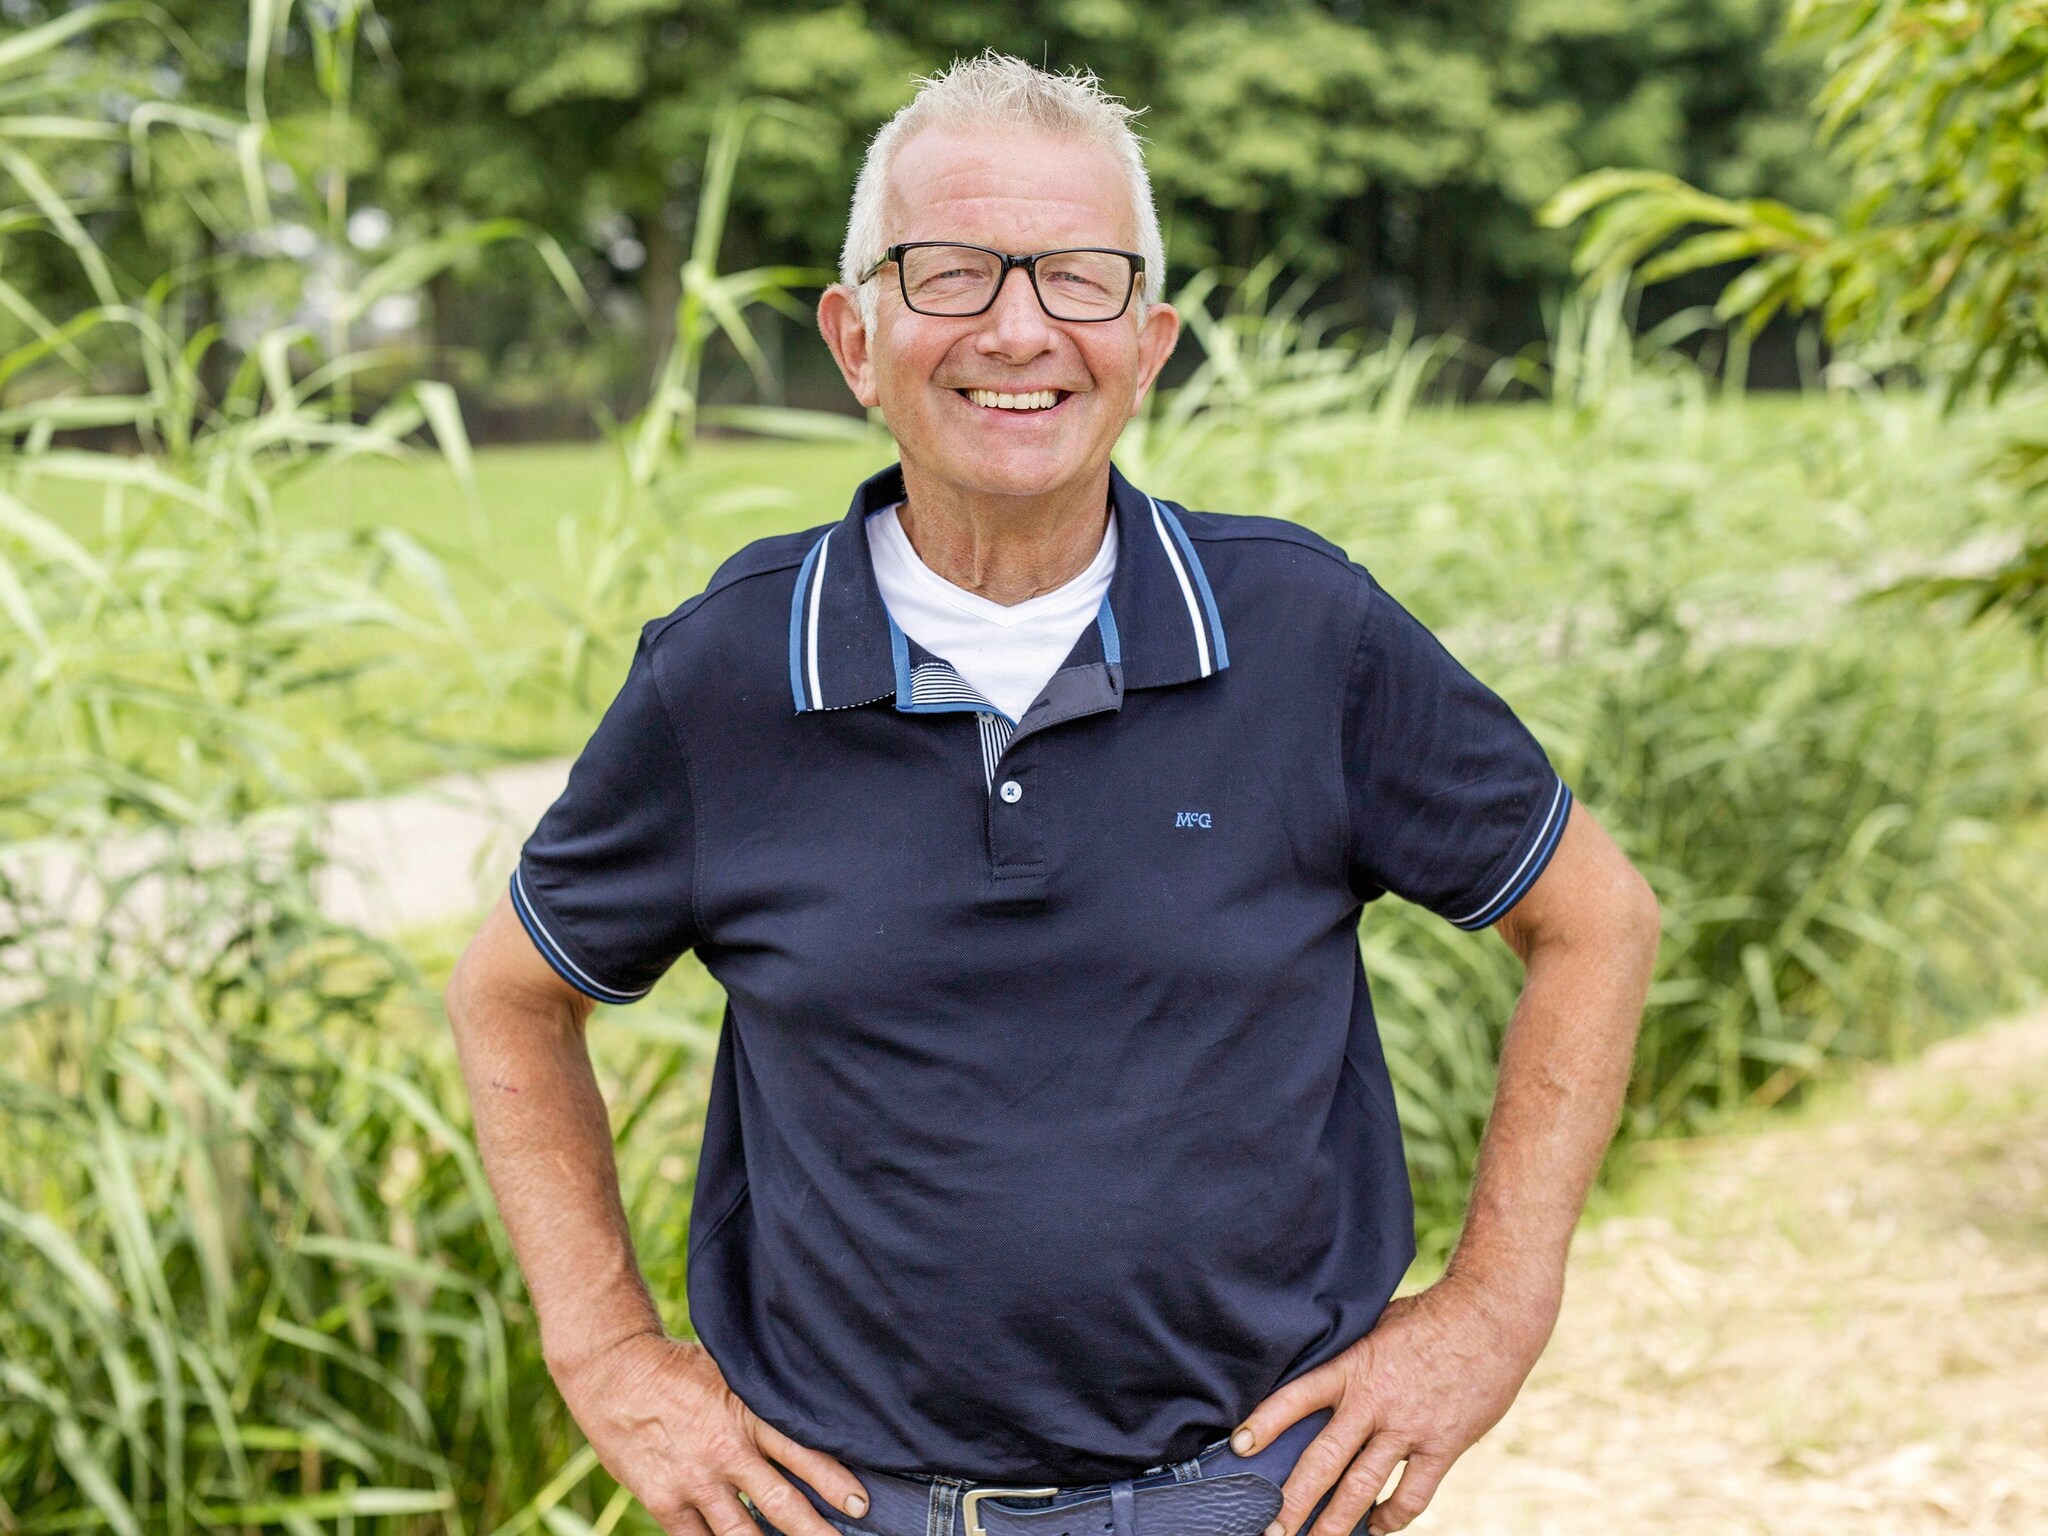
{"x": 1159, "y": 624}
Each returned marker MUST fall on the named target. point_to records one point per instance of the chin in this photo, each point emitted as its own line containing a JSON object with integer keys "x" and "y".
{"x": 1016, "y": 479}
{"x": 1014, "y": 469}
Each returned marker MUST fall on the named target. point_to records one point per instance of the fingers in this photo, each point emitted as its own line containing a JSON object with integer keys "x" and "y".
{"x": 1319, "y": 1388}
{"x": 777, "y": 1499}
{"x": 1360, "y": 1485}
{"x": 837, "y": 1486}
{"x": 727, "y": 1516}
{"x": 1319, "y": 1466}
{"x": 680, "y": 1518}
{"x": 1417, "y": 1487}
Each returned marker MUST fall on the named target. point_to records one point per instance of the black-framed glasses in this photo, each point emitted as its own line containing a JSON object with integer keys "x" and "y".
{"x": 1083, "y": 283}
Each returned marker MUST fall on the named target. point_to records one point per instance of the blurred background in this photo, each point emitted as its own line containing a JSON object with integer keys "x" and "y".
{"x": 1398, "y": 160}
{"x": 368, "y": 375}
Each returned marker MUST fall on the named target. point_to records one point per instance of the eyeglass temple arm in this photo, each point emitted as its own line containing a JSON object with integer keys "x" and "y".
{"x": 880, "y": 262}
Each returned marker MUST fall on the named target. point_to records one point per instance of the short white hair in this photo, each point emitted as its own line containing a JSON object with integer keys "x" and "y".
{"x": 998, "y": 91}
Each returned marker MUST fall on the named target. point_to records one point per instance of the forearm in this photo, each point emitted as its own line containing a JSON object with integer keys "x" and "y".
{"x": 1440, "y": 1367}
{"x": 656, "y": 1410}
{"x": 545, "y": 1139}
{"x": 1564, "y": 1071}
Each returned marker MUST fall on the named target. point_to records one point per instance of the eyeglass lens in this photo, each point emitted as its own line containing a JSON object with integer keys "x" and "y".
{"x": 961, "y": 280}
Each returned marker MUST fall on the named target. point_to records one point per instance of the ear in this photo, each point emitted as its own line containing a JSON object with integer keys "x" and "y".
{"x": 839, "y": 322}
{"x": 1157, "y": 334}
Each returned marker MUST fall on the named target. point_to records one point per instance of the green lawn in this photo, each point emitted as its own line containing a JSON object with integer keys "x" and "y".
{"x": 523, "y": 494}
{"x": 1440, "y": 506}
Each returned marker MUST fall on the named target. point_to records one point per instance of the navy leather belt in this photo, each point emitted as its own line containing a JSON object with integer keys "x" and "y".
{"x": 1218, "y": 1493}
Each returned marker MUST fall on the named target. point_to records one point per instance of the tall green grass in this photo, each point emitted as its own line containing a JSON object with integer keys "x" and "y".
{"x": 252, "y": 1278}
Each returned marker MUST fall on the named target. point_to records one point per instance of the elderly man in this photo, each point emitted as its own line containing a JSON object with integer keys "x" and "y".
{"x": 1051, "y": 1180}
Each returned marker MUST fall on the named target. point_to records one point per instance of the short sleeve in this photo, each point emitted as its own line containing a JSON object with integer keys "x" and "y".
{"x": 604, "y": 884}
{"x": 1453, "y": 804}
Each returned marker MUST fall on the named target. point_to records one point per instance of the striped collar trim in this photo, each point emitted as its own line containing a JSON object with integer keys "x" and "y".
{"x": 1160, "y": 620}
{"x": 929, "y": 685}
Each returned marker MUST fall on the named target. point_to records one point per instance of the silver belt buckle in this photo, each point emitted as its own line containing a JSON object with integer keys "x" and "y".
{"x": 970, "y": 1503}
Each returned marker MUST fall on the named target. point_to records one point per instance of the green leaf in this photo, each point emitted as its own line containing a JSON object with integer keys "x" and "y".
{"x": 417, "y": 262}
{"x": 366, "y": 1502}
{"x": 791, "y": 425}
{"x": 48, "y": 36}
{"x": 578, "y": 1467}
{"x": 63, "y": 221}
{"x": 80, "y": 129}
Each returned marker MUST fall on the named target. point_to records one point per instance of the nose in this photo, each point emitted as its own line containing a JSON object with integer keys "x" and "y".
{"x": 1015, "y": 328}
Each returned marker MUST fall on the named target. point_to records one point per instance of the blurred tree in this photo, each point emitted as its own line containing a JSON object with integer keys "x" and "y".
{"x": 1403, "y": 149}
{"x": 1409, "y": 149}
{"x": 1398, "y": 149}
{"x": 1939, "y": 258}
{"x": 592, "y": 117}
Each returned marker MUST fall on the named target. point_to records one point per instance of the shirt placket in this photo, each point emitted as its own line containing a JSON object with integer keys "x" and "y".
{"x": 1021, "y": 794}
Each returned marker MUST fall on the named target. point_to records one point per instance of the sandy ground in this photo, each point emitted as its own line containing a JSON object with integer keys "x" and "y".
{"x": 442, "y": 850}
{"x": 1835, "y": 1324}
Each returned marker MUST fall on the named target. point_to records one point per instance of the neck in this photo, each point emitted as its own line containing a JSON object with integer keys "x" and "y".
{"x": 1005, "y": 548}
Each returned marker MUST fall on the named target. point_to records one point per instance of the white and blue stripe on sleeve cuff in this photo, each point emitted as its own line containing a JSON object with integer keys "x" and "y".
{"x": 1534, "y": 858}
{"x": 552, "y": 951}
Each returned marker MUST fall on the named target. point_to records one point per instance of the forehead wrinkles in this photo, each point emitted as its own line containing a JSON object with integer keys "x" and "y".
{"x": 1018, "y": 223}
{"x": 969, "y": 196}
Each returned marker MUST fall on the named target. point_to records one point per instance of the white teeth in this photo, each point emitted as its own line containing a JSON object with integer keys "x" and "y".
{"x": 1036, "y": 400}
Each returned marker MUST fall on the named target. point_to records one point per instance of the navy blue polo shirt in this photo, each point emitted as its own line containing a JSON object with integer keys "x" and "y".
{"x": 1049, "y": 1129}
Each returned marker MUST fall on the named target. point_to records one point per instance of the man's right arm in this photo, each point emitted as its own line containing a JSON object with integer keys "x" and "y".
{"x": 656, "y": 1410}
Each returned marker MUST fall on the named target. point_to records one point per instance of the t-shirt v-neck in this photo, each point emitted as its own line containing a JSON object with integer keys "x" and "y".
{"x": 1006, "y": 651}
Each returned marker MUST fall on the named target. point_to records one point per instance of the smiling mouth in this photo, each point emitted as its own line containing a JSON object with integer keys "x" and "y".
{"x": 1028, "y": 400}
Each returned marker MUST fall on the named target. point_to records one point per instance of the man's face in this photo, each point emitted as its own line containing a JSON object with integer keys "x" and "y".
{"x": 1010, "y": 191}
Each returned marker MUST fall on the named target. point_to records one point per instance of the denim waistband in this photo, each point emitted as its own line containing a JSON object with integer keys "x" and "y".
{"x": 929, "y": 1503}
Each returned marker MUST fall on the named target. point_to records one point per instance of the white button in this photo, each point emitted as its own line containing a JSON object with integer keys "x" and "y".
{"x": 1011, "y": 791}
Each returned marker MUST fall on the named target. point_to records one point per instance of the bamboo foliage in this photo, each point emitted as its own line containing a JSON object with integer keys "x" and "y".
{"x": 620, "y": 565}
{"x": 254, "y": 1275}
{"x": 154, "y": 674}
{"x": 1934, "y": 109}
{"x": 253, "y": 1278}
{"x": 1938, "y": 260}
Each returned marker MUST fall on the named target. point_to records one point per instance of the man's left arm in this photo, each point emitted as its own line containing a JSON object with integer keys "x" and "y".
{"x": 1440, "y": 1367}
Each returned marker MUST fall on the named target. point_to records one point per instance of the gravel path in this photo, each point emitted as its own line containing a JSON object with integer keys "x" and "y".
{"x": 1835, "y": 1325}
{"x": 438, "y": 852}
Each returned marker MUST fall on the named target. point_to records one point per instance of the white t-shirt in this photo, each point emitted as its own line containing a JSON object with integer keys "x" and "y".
{"x": 1007, "y": 652}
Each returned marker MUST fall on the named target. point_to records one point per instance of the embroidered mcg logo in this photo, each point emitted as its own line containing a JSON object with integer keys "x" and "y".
{"x": 1192, "y": 819}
